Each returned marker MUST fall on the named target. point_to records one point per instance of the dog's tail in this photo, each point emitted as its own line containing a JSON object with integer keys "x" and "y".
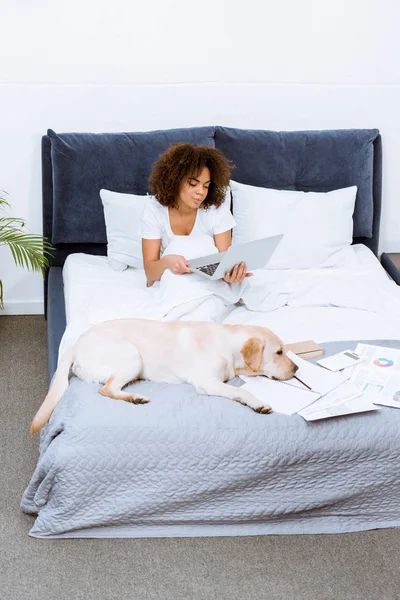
{"x": 57, "y": 389}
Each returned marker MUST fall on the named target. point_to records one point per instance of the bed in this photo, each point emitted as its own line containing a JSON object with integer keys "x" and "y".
{"x": 191, "y": 465}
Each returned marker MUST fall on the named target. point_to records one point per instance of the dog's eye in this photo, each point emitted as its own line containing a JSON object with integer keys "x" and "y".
{"x": 280, "y": 352}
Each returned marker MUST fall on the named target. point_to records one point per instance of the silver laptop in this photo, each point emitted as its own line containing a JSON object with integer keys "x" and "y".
{"x": 255, "y": 254}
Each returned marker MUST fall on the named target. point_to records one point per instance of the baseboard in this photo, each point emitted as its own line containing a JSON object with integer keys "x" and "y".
{"x": 23, "y": 308}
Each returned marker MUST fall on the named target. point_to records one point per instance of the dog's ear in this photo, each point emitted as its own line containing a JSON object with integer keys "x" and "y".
{"x": 252, "y": 353}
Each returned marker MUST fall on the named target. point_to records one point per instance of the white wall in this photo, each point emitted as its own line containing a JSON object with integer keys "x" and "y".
{"x": 96, "y": 65}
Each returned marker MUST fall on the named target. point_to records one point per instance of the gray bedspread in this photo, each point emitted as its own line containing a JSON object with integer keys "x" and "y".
{"x": 190, "y": 465}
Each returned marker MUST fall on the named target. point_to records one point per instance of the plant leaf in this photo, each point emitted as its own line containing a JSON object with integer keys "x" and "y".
{"x": 3, "y": 200}
{"x": 28, "y": 250}
{"x": 6, "y": 222}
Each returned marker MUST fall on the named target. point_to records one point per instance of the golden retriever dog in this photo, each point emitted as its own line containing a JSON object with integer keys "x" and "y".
{"x": 205, "y": 355}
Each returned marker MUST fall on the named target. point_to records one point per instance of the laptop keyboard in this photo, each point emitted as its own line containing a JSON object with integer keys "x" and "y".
{"x": 209, "y": 269}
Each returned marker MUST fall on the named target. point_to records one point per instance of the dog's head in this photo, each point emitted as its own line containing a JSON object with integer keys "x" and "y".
{"x": 265, "y": 355}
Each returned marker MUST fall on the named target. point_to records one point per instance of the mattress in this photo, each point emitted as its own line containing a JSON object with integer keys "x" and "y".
{"x": 85, "y": 276}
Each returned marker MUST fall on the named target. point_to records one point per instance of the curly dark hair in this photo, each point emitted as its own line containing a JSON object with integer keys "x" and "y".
{"x": 184, "y": 160}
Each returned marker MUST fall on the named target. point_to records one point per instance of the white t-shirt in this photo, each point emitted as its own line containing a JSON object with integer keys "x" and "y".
{"x": 210, "y": 221}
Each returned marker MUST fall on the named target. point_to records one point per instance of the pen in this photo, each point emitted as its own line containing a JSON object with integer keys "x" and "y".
{"x": 307, "y": 386}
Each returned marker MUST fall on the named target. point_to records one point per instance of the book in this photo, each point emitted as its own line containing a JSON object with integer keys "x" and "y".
{"x": 307, "y": 350}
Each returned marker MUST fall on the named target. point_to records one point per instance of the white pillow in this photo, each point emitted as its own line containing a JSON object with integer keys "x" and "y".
{"x": 122, "y": 214}
{"x": 317, "y": 226}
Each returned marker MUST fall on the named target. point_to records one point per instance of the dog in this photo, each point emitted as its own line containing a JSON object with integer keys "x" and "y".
{"x": 204, "y": 354}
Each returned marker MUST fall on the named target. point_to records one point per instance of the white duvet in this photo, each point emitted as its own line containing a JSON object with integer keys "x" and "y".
{"x": 352, "y": 301}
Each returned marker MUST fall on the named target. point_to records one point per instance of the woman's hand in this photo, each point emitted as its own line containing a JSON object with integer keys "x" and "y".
{"x": 176, "y": 263}
{"x": 237, "y": 274}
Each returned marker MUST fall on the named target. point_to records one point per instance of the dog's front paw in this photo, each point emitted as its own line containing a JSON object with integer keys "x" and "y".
{"x": 249, "y": 400}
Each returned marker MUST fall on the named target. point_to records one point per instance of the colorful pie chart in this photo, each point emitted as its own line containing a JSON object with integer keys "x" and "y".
{"x": 383, "y": 362}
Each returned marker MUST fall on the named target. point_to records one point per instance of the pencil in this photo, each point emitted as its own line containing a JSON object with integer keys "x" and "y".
{"x": 307, "y": 386}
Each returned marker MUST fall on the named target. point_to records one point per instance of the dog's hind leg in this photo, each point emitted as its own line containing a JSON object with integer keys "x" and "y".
{"x": 113, "y": 389}
{"x": 115, "y": 364}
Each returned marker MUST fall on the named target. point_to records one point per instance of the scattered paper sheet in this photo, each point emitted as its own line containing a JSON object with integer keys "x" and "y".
{"x": 378, "y": 377}
{"x": 285, "y": 399}
{"x": 357, "y": 405}
{"x": 345, "y": 399}
{"x": 318, "y": 379}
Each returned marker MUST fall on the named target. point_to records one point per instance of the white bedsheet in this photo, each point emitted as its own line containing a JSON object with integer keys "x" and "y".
{"x": 355, "y": 301}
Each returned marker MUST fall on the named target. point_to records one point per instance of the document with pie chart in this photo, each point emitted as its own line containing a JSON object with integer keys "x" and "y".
{"x": 378, "y": 375}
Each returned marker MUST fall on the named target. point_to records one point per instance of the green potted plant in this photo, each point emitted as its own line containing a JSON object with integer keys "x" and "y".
{"x": 28, "y": 250}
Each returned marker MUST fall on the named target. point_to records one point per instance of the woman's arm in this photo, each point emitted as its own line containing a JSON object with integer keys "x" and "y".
{"x": 223, "y": 240}
{"x": 155, "y": 266}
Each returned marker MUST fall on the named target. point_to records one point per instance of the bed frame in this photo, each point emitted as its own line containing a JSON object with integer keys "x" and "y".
{"x": 198, "y": 469}
{"x": 75, "y": 166}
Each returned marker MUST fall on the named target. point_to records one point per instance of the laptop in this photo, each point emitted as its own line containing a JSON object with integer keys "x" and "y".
{"x": 255, "y": 254}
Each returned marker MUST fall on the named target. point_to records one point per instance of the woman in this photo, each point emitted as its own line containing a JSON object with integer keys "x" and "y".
{"x": 189, "y": 183}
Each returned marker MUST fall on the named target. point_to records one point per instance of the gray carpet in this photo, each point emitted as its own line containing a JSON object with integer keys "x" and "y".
{"x": 362, "y": 566}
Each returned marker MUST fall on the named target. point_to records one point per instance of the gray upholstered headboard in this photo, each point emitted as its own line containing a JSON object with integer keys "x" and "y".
{"x": 75, "y": 166}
